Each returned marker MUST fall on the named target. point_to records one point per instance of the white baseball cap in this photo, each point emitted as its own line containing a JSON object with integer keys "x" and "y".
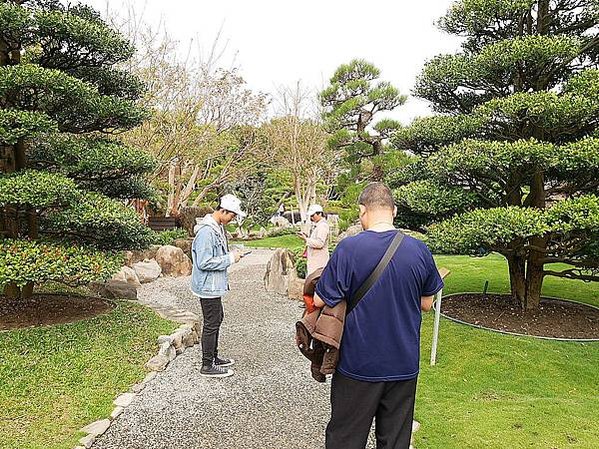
{"x": 314, "y": 209}
{"x": 232, "y": 204}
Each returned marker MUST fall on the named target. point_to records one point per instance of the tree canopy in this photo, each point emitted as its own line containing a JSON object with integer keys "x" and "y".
{"x": 510, "y": 164}
{"x": 64, "y": 171}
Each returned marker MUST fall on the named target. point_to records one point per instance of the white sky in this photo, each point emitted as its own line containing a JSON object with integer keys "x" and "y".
{"x": 276, "y": 42}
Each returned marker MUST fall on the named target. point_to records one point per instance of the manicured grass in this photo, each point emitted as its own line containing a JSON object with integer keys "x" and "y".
{"x": 54, "y": 380}
{"x": 490, "y": 390}
{"x": 283, "y": 241}
{"x": 468, "y": 274}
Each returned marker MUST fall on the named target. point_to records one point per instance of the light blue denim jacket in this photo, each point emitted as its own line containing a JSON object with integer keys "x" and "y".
{"x": 210, "y": 260}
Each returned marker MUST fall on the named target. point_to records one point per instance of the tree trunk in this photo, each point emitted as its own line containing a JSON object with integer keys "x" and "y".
{"x": 11, "y": 291}
{"x": 176, "y": 207}
{"x": 172, "y": 171}
{"x": 543, "y": 17}
{"x": 535, "y": 273}
{"x": 517, "y": 271}
{"x": 190, "y": 187}
{"x": 20, "y": 155}
{"x": 27, "y": 291}
{"x": 201, "y": 195}
{"x": 534, "y": 284}
{"x": 4, "y": 53}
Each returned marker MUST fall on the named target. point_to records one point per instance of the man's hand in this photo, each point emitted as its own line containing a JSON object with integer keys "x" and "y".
{"x": 426, "y": 303}
{"x": 318, "y": 302}
{"x": 302, "y": 236}
{"x": 236, "y": 255}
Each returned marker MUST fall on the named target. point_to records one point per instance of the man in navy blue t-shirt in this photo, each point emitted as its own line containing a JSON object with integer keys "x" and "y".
{"x": 380, "y": 349}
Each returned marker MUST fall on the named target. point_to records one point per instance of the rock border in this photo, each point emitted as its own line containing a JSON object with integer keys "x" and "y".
{"x": 170, "y": 346}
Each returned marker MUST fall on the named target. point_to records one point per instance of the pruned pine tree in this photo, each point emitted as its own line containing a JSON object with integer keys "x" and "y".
{"x": 352, "y": 105}
{"x": 63, "y": 172}
{"x": 511, "y": 163}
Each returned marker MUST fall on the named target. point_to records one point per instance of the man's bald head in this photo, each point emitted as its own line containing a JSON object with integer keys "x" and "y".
{"x": 377, "y": 196}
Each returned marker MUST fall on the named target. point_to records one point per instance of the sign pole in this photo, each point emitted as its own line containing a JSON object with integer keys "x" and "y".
{"x": 443, "y": 272}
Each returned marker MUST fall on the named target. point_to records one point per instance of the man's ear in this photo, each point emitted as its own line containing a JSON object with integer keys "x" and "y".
{"x": 362, "y": 210}
{"x": 394, "y": 211}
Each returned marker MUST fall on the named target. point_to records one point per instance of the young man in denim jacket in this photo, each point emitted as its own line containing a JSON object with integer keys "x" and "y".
{"x": 211, "y": 258}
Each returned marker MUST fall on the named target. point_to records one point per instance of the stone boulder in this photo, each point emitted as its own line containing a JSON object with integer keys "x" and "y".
{"x": 295, "y": 288}
{"x": 185, "y": 245}
{"x": 240, "y": 234}
{"x": 279, "y": 270}
{"x": 128, "y": 275}
{"x": 350, "y": 232}
{"x": 280, "y": 222}
{"x": 114, "y": 289}
{"x": 147, "y": 271}
{"x": 173, "y": 261}
{"x": 132, "y": 257}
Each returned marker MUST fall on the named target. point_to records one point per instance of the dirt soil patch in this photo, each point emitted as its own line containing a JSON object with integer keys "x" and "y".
{"x": 554, "y": 318}
{"x": 49, "y": 309}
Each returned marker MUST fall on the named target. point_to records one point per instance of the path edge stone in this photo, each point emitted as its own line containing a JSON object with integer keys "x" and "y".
{"x": 169, "y": 348}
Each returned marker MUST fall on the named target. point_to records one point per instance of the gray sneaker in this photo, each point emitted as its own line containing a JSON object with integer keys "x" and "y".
{"x": 223, "y": 361}
{"x": 215, "y": 371}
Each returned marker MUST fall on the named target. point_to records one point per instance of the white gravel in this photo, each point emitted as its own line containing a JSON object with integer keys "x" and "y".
{"x": 271, "y": 402}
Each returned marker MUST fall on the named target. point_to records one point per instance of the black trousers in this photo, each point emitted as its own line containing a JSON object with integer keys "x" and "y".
{"x": 354, "y": 405}
{"x": 212, "y": 310}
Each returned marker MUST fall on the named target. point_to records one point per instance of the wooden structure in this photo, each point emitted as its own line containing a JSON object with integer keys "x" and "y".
{"x": 162, "y": 223}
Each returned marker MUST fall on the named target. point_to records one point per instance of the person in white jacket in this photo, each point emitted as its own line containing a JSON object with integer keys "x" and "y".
{"x": 318, "y": 242}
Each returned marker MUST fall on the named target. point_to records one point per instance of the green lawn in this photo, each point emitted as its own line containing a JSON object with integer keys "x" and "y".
{"x": 283, "y": 241}
{"x": 468, "y": 274}
{"x": 490, "y": 390}
{"x": 54, "y": 380}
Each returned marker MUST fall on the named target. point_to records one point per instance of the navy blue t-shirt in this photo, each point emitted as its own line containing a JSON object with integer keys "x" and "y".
{"x": 381, "y": 338}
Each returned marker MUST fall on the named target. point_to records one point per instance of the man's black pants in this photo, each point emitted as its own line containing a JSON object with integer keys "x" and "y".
{"x": 354, "y": 405}
{"x": 212, "y": 310}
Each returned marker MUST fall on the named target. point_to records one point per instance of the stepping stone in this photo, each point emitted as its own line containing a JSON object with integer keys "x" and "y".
{"x": 157, "y": 363}
{"x": 165, "y": 339}
{"x": 87, "y": 441}
{"x": 415, "y": 426}
{"x": 116, "y": 412}
{"x": 97, "y": 428}
{"x": 137, "y": 388}
{"x": 149, "y": 377}
{"x": 124, "y": 400}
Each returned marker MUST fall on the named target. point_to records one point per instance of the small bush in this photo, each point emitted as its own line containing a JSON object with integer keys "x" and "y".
{"x": 278, "y": 232}
{"x": 168, "y": 237}
{"x": 301, "y": 263}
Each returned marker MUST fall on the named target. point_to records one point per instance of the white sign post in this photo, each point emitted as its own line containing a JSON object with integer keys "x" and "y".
{"x": 443, "y": 272}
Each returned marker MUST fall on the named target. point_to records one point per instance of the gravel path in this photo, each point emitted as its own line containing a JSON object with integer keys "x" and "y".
{"x": 270, "y": 402}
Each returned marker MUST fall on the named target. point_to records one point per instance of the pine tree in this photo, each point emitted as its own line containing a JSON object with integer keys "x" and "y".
{"x": 510, "y": 164}
{"x": 63, "y": 172}
{"x": 351, "y": 103}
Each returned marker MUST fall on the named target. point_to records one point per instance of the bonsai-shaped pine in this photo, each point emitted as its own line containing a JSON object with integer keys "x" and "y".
{"x": 511, "y": 164}
{"x": 351, "y": 102}
{"x": 63, "y": 174}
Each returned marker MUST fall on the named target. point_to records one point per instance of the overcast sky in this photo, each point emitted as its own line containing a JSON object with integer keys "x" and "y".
{"x": 276, "y": 42}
